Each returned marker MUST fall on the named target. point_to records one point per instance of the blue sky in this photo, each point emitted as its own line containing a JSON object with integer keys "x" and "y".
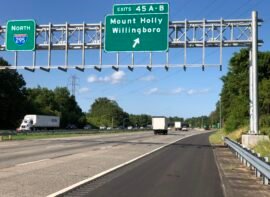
{"x": 171, "y": 93}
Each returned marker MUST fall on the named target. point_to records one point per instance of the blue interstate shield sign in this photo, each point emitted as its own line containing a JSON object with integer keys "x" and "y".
{"x": 20, "y": 39}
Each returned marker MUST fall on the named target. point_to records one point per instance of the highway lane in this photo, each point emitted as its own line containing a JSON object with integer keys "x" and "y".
{"x": 17, "y": 153}
{"x": 186, "y": 168}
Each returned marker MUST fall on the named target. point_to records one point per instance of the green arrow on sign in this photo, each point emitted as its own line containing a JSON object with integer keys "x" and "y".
{"x": 136, "y": 41}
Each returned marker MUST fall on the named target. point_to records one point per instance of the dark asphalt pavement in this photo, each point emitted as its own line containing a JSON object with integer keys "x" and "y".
{"x": 186, "y": 168}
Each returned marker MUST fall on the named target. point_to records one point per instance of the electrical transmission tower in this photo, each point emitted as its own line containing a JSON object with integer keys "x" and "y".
{"x": 73, "y": 82}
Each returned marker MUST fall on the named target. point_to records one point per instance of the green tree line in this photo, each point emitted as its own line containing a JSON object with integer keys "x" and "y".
{"x": 16, "y": 100}
{"x": 234, "y": 96}
{"x": 107, "y": 113}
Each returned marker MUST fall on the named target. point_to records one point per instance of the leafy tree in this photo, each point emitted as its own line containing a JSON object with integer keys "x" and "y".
{"x": 200, "y": 121}
{"x": 12, "y": 97}
{"x": 139, "y": 120}
{"x": 68, "y": 108}
{"x": 57, "y": 102}
{"x": 41, "y": 101}
{"x": 105, "y": 112}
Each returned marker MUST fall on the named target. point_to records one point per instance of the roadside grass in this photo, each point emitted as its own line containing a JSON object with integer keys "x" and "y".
{"x": 61, "y": 134}
{"x": 237, "y": 134}
{"x": 216, "y": 138}
{"x": 263, "y": 147}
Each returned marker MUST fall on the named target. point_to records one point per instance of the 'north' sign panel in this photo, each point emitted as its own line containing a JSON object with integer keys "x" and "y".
{"x": 21, "y": 35}
{"x": 136, "y": 32}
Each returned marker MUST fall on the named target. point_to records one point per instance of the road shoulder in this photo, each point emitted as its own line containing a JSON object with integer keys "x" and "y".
{"x": 236, "y": 178}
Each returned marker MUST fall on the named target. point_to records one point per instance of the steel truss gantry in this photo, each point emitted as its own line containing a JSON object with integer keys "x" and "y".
{"x": 182, "y": 34}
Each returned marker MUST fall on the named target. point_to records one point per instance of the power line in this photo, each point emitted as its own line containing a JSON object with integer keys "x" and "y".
{"x": 238, "y": 8}
{"x": 252, "y": 7}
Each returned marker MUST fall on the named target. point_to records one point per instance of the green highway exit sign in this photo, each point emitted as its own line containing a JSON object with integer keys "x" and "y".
{"x": 147, "y": 8}
{"x": 21, "y": 35}
{"x": 136, "y": 32}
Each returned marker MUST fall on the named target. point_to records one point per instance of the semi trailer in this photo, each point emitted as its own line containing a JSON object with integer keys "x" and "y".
{"x": 32, "y": 122}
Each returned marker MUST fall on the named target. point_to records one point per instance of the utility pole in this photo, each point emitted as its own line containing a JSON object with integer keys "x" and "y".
{"x": 220, "y": 118}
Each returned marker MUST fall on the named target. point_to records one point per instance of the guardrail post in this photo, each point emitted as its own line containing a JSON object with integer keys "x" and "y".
{"x": 1, "y": 138}
{"x": 266, "y": 159}
{"x": 266, "y": 180}
{"x": 258, "y": 173}
{"x": 9, "y": 137}
{"x": 252, "y": 167}
{"x": 248, "y": 164}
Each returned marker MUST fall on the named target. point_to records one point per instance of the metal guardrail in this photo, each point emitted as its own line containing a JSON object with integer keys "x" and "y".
{"x": 251, "y": 160}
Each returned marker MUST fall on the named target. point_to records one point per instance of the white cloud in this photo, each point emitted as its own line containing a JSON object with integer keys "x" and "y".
{"x": 202, "y": 91}
{"x": 83, "y": 90}
{"x": 206, "y": 90}
{"x": 152, "y": 91}
{"x": 92, "y": 79}
{"x": 191, "y": 92}
{"x": 177, "y": 91}
{"x": 114, "y": 78}
{"x": 148, "y": 78}
{"x": 113, "y": 98}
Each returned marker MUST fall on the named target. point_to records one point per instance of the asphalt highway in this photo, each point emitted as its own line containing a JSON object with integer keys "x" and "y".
{"x": 186, "y": 168}
{"x": 43, "y": 167}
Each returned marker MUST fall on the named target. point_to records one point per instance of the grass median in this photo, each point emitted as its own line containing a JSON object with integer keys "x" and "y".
{"x": 60, "y": 134}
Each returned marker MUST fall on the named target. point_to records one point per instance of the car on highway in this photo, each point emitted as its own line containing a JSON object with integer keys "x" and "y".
{"x": 71, "y": 126}
{"x": 86, "y": 127}
{"x": 184, "y": 129}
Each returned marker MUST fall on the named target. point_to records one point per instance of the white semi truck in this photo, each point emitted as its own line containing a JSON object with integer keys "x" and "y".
{"x": 178, "y": 125}
{"x": 160, "y": 125}
{"x": 35, "y": 122}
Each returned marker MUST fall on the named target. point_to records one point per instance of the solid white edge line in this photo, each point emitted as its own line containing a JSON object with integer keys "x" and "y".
{"x": 114, "y": 168}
